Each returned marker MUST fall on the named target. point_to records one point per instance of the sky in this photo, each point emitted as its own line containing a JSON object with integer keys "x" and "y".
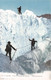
{"x": 39, "y": 7}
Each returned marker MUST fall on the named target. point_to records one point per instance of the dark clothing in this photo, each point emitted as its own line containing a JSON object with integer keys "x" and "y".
{"x": 9, "y": 55}
{"x": 9, "y": 47}
{"x": 8, "y": 50}
{"x": 32, "y": 44}
{"x": 19, "y": 10}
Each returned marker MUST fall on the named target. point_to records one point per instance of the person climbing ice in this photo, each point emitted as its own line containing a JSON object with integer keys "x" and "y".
{"x": 19, "y": 10}
{"x": 33, "y": 41}
{"x": 8, "y": 49}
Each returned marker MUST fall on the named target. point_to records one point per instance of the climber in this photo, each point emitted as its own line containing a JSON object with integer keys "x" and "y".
{"x": 19, "y": 10}
{"x": 32, "y": 43}
{"x": 8, "y": 49}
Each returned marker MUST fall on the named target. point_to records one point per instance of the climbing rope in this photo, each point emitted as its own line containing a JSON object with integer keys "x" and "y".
{"x": 23, "y": 47}
{"x": 19, "y": 48}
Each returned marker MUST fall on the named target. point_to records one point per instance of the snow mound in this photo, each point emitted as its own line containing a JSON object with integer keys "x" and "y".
{"x": 6, "y": 66}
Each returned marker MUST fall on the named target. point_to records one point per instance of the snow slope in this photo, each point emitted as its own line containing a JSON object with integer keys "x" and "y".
{"x": 18, "y": 29}
{"x": 29, "y": 63}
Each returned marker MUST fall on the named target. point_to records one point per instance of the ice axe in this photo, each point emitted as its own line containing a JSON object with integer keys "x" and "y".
{"x": 14, "y": 54}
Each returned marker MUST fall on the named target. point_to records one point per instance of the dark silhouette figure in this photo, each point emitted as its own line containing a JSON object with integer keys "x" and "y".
{"x": 19, "y": 10}
{"x": 32, "y": 43}
{"x": 8, "y": 49}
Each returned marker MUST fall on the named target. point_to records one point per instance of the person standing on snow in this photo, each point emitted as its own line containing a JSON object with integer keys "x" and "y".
{"x": 8, "y": 49}
{"x": 19, "y": 10}
{"x": 32, "y": 43}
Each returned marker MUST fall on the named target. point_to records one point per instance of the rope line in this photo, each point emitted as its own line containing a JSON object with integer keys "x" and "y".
{"x": 19, "y": 48}
{"x": 23, "y": 47}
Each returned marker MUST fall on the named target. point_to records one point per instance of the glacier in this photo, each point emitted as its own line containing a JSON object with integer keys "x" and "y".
{"x": 18, "y": 29}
